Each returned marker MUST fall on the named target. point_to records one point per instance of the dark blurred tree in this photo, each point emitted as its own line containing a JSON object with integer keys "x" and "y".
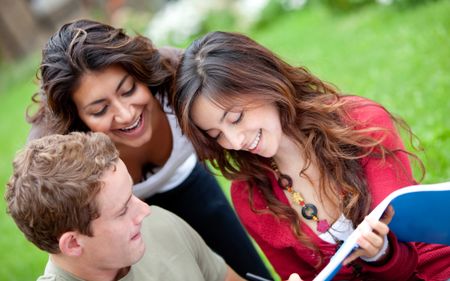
{"x": 19, "y": 30}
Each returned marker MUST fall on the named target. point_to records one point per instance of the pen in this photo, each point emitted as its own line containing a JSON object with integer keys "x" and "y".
{"x": 253, "y": 277}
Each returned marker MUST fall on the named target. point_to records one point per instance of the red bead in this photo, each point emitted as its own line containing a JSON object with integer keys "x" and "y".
{"x": 322, "y": 226}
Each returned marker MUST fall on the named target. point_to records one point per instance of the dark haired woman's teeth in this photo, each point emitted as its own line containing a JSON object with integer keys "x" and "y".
{"x": 134, "y": 126}
{"x": 256, "y": 141}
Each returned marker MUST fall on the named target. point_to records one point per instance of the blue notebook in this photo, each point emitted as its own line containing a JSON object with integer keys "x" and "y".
{"x": 421, "y": 215}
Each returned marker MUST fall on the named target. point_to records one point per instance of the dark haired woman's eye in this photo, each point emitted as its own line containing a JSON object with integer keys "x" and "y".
{"x": 130, "y": 91}
{"x": 239, "y": 119}
{"x": 100, "y": 112}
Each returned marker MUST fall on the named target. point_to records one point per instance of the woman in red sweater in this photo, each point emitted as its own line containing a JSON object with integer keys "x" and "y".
{"x": 307, "y": 162}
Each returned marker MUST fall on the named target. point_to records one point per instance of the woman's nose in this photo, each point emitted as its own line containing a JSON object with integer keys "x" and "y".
{"x": 123, "y": 113}
{"x": 235, "y": 139}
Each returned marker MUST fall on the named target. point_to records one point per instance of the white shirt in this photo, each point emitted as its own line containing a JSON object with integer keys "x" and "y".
{"x": 177, "y": 168}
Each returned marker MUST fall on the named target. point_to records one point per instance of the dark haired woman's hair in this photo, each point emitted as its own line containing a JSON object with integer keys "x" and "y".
{"x": 231, "y": 69}
{"x": 82, "y": 46}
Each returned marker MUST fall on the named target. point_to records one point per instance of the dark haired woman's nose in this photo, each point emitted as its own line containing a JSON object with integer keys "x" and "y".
{"x": 123, "y": 114}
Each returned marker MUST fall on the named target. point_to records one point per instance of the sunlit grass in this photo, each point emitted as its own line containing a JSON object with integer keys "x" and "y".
{"x": 396, "y": 57}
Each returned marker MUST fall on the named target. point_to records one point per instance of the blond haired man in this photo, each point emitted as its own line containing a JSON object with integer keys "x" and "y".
{"x": 71, "y": 196}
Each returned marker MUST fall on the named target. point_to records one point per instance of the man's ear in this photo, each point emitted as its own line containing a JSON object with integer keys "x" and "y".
{"x": 69, "y": 244}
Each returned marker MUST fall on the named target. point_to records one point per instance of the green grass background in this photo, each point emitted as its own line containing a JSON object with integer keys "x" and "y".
{"x": 398, "y": 56}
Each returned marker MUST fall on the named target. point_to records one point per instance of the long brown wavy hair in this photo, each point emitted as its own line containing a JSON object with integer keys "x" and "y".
{"x": 228, "y": 68}
{"x": 82, "y": 46}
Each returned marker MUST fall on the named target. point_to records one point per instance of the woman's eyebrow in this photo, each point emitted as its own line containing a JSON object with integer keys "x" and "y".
{"x": 122, "y": 81}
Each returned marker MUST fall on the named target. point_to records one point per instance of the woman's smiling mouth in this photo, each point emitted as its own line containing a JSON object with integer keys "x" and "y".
{"x": 255, "y": 141}
{"x": 133, "y": 126}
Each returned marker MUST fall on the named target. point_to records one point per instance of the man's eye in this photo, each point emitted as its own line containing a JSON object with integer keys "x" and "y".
{"x": 124, "y": 211}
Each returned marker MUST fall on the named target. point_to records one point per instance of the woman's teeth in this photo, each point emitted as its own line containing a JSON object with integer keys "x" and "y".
{"x": 133, "y": 126}
{"x": 256, "y": 141}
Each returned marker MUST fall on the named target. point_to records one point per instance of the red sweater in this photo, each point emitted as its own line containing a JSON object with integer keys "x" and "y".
{"x": 287, "y": 255}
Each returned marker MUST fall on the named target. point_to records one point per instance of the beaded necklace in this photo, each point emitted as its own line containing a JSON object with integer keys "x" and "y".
{"x": 309, "y": 210}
